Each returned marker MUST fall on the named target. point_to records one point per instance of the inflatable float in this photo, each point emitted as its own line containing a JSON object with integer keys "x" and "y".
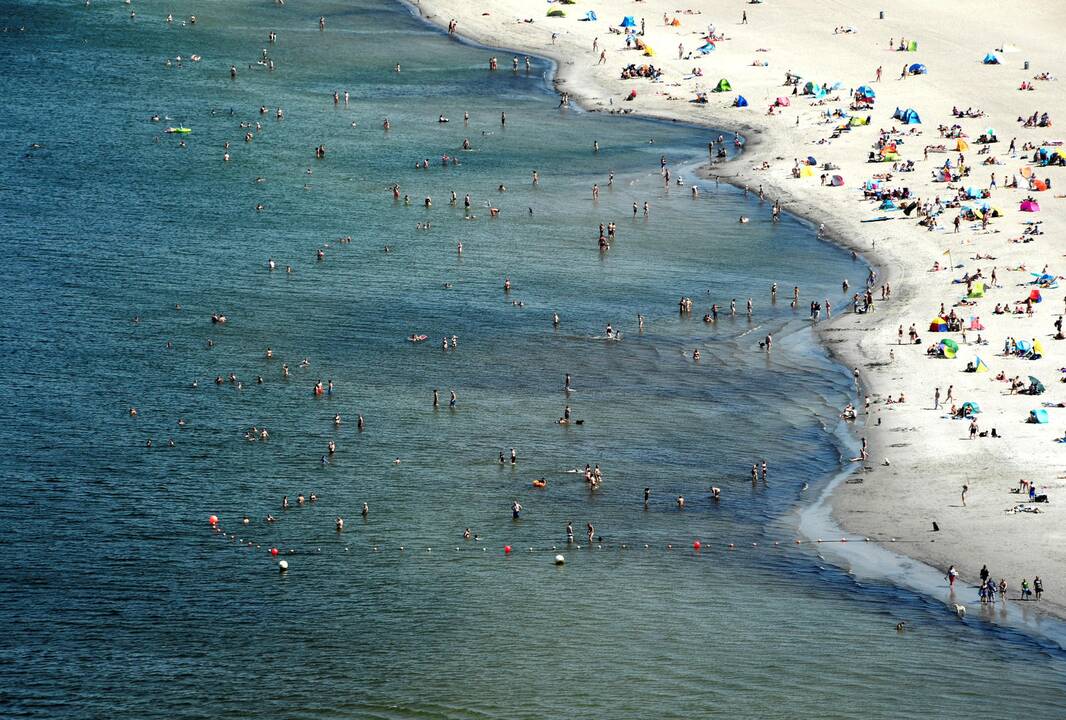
{"x": 540, "y": 483}
{"x": 418, "y": 338}
{"x": 180, "y": 130}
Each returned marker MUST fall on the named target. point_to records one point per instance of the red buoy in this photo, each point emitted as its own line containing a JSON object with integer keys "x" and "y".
{"x": 507, "y": 549}
{"x": 274, "y": 551}
{"x": 696, "y": 545}
{"x": 213, "y": 519}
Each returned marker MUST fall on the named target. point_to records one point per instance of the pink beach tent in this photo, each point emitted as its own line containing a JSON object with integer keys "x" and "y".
{"x": 1029, "y": 206}
{"x": 782, "y": 102}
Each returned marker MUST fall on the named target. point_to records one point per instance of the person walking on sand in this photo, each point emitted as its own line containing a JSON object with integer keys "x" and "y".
{"x": 878, "y": 74}
{"x": 936, "y": 395}
{"x": 964, "y": 489}
{"x": 744, "y": 17}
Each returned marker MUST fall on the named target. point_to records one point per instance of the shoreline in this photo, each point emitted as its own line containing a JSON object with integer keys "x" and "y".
{"x": 847, "y": 337}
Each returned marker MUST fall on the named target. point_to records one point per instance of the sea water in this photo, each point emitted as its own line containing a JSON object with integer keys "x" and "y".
{"x": 118, "y": 598}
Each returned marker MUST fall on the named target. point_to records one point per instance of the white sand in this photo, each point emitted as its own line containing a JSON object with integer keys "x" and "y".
{"x": 931, "y": 456}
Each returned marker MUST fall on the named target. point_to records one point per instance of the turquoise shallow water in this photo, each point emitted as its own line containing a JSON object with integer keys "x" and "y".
{"x": 118, "y": 599}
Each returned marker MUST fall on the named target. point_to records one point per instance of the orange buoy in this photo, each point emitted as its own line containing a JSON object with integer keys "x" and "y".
{"x": 213, "y": 519}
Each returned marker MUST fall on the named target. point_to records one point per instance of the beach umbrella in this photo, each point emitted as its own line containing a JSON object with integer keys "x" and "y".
{"x": 1023, "y": 346}
{"x": 837, "y": 181}
{"x": 979, "y": 365}
{"x": 1039, "y": 185}
{"x": 1038, "y": 348}
{"x": 938, "y": 324}
{"x": 1029, "y": 206}
{"x": 950, "y": 348}
{"x": 917, "y": 69}
{"x": 1038, "y": 386}
{"x": 806, "y": 171}
{"x": 970, "y": 408}
{"x": 961, "y": 145}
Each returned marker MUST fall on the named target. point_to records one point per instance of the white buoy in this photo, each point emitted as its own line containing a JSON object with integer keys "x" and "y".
{"x": 283, "y": 565}
{"x": 560, "y": 560}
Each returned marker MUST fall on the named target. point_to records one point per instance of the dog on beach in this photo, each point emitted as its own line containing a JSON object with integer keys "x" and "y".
{"x": 960, "y": 610}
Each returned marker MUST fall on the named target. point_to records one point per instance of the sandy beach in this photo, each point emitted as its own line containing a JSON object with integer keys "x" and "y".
{"x": 919, "y": 457}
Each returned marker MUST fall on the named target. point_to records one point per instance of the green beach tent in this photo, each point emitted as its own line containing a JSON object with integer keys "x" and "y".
{"x": 723, "y": 86}
{"x": 950, "y": 348}
{"x": 977, "y": 290}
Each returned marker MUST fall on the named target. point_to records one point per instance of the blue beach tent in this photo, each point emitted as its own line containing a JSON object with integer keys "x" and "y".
{"x": 1038, "y": 416}
{"x": 888, "y": 205}
{"x": 628, "y": 22}
{"x": 706, "y": 48}
{"x": 898, "y": 114}
{"x": 591, "y": 16}
{"x": 917, "y": 69}
{"x": 741, "y": 101}
{"x": 866, "y": 91}
{"x": 990, "y": 59}
{"x": 910, "y": 117}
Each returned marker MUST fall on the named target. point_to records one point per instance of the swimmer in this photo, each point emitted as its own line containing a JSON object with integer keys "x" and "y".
{"x": 366, "y": 510}
{"x": 555, "y": 322}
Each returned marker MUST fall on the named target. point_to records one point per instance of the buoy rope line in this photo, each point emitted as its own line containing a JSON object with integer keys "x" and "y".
{"x": 698, "y": 546}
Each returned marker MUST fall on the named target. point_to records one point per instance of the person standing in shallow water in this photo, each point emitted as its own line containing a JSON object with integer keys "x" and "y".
{"x": 436, "y": 397}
